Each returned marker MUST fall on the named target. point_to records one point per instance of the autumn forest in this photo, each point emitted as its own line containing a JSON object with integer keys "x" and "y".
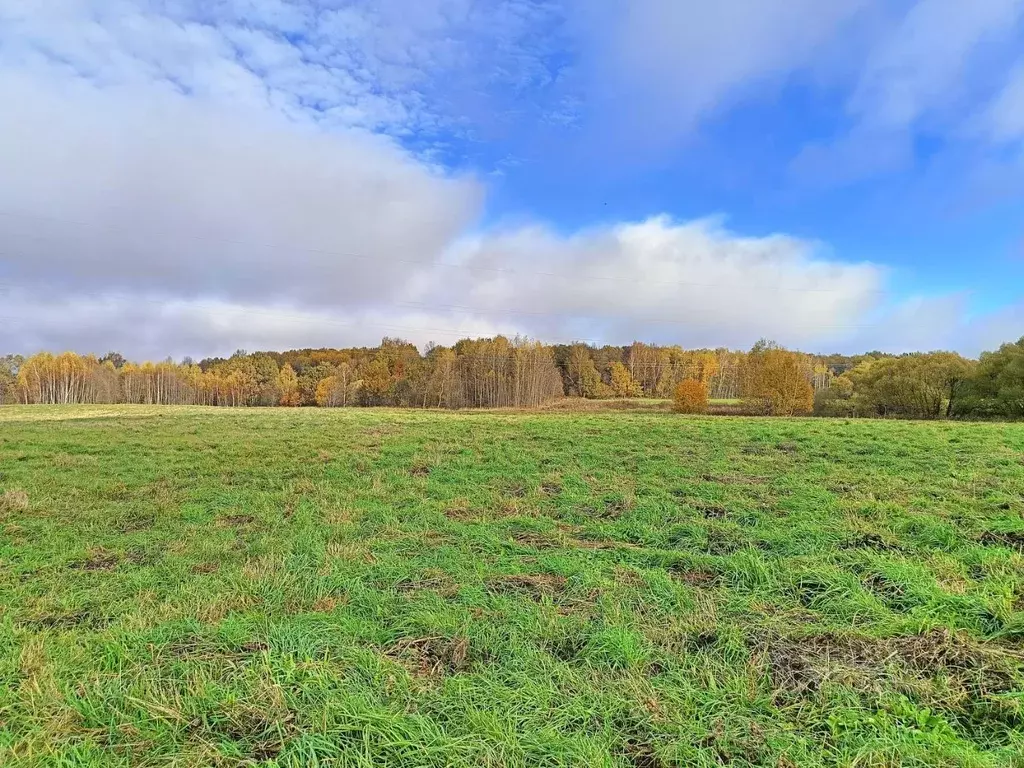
{"x": 519, "y": 373}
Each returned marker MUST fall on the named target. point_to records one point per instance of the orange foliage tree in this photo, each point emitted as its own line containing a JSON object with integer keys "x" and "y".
{"x": 691, "y": 396}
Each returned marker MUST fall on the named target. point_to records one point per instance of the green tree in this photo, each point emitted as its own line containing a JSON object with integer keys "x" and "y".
{"x": 916, "y": 386}
{"x": 114, "y": 358}
{"x": 996, "y": 390}
{"x": 836, "y": 399}
{"x": 9, "y": 366}
{"x": 310, "y": 379}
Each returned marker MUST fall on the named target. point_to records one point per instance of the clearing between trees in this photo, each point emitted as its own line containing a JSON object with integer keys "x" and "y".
{"x": 295, "y": 587}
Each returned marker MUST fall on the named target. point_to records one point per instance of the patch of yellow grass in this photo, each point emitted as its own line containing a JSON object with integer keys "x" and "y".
{"x": 13, "y": 500}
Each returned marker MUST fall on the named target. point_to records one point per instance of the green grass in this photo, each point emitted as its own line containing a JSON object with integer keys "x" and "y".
{"x": 308, "y": 587}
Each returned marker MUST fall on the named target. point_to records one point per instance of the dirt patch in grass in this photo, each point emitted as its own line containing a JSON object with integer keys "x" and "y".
{"x": 989, "y": 667}
{"x": 431, "y": 656}
{"x": 460, "y": 510}
{"x": 871, "y": 541}
{"x": 708, "y": 509}
{"x": 724, "y": 541}
{"x": 890, "y": 592}
{"x": 613, "y": 507}
{"x": 98, "y": 560}
{"x": 83, "y": 618}
{"x": 595, "y": 543}
{"x": 328, "y": 604}
{"x": 534, "y": 586}
{"x": 550, "y": 489}
{"x": 1012, "y": 539}
{"x": 842, "y": 488}
{"x": 641, "y": 755}
{"x": 694, "y": 577}
{"x": 566, "y": 646}
{"x": 259, "y": 729}
{"x": 136, "y": 523}
{"x": 433, "y": 579}
{"x": 745, "y": 747}
{"x": 515, "y": 490}
{"x": 205, "y": 568}
{"x": 711, "y": 511}
{"x": 420, "y": 470}
{"x": 537, "y": 540}
{"x": 734, "y": 479}
{"x": 236, "y": 521}
{"x": 800, "y": 665}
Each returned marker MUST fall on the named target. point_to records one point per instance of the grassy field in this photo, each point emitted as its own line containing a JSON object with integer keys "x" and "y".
{"x": 397, "y": 588}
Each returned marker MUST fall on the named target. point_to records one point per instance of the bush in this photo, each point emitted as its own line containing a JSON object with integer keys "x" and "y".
{"x": 691, "y": 396}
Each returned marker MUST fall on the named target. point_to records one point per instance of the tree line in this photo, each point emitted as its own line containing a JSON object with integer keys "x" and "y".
{"x": 514, "y": 373}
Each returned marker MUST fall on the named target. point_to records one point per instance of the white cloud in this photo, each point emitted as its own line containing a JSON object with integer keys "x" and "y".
{"x": 1005, "y": 116}
{"x": 924, "y": 76}
{"x": 357, "y": 65}
{"x": 664, "y": 64}
{"x": 153, "y": 327}
{"x": 929, "y": 62}
{"x": 694, "y": 283}
{"x": 127, "y": 188}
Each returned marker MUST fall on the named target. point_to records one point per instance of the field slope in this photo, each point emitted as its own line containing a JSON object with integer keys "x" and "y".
{"x": 371, "y": 588}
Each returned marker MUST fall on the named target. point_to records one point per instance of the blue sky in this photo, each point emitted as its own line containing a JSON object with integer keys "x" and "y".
{"x": 189, "y": 177}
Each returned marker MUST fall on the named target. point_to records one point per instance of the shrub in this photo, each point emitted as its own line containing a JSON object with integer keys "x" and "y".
{"x": 691, "y": 396}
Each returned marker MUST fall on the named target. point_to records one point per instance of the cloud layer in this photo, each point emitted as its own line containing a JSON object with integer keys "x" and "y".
{"x": 118, "y": 189}
{"x": 190, "y": 178}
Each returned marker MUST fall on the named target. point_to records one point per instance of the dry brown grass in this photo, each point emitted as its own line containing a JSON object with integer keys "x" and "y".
{"x": 583, "y": 405}
{"x": 13, "y": 500}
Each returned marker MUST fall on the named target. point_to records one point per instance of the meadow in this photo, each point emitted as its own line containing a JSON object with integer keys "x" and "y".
{"x": 371, "y": 587}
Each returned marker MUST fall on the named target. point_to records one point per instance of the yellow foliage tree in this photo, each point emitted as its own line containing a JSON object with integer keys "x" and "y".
{"x": 623, "y": 383}
{"x": 332, "y": 392}
{"x": 777, "y": 382}
{"x": 691, "y": 396}
{"x": 705, "y": 366}
{"x": 289, "y": 384}
{"x": 378, "y": 382}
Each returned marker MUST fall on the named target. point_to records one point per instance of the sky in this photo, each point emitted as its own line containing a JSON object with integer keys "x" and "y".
{"x": 192, "y": 177}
